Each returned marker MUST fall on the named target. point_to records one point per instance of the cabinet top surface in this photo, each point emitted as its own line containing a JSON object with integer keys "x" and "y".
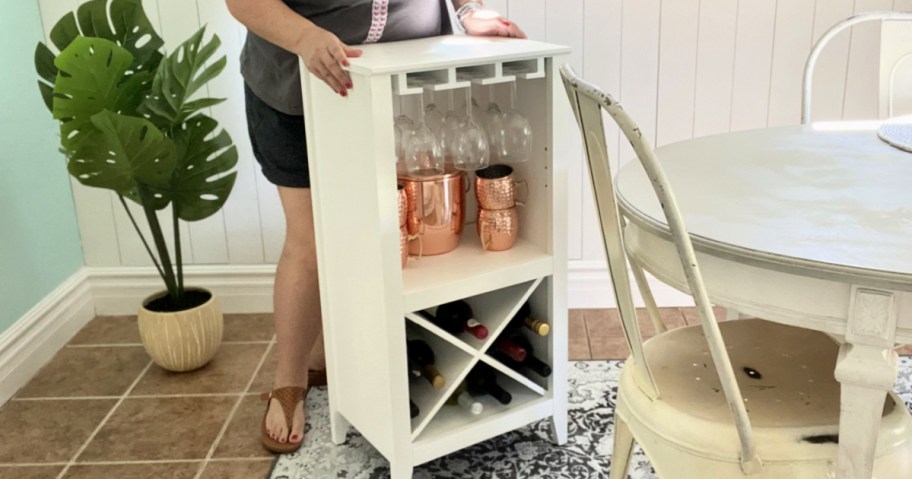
{"x": 447, "y": 51}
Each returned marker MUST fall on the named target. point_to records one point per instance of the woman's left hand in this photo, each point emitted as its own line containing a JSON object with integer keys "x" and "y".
{"x": 491, "y": 27}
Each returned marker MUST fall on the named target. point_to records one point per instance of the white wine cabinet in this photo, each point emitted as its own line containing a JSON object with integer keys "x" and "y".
{"x": 370, "y": 303}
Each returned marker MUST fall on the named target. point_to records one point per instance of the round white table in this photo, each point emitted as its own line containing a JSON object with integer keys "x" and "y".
{"x": 804, "y": 225}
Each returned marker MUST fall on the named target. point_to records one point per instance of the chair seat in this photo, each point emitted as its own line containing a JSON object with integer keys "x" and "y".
{"x": 786, "y": 378}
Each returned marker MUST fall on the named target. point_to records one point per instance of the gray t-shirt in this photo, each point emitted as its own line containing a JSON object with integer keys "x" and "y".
{"x": 272, "y": 72}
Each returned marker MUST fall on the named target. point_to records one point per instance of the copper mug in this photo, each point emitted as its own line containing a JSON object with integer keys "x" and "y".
{"x": 403, "y": 204}
{"x": 436, "y": 212}
{"x": 403, "y": 244}
{"x": 495, "y": 188}
{"x": 497, "y": 229}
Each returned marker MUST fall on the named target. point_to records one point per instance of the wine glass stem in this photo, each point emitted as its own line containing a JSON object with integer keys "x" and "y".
{"x": 469, "y": 103}
{"x": 421, "y": 106}
{"x": 513, "y": 94}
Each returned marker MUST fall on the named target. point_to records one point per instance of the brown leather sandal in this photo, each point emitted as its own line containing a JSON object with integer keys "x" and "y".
{"x": 288, "y": 398}
{"x": 316, "y": 378}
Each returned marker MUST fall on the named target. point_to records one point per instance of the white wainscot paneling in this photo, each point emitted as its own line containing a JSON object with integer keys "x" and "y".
{"x": 682, "y": 68}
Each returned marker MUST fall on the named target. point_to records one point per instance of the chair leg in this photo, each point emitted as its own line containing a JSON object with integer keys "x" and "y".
{"x": 623, "y": 446}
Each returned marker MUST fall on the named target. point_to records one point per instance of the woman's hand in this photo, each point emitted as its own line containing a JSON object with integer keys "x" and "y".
{"x": 477, "y": 25}
{"x": 325, "y": 55}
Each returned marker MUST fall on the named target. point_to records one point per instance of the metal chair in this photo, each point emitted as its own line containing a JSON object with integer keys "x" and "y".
{"x": 747, "y": 398}
{"x": 893, "y": 35}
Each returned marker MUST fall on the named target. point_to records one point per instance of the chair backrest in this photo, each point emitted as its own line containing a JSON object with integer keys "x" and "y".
{"x": 895, "y": 68}
{"x": 588, "y": 102}
{"x": 893, "y": 54}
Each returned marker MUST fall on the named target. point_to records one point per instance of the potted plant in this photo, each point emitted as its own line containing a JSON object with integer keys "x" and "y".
{"x": 131, "y": 122}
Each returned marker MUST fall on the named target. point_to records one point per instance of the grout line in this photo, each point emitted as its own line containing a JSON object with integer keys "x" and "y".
{"x": 241, "y": 459}
{"x": 237, "y": 405}
{"x": 133, "y": 345}
{"x": 104, "y": 421}
{"x": 33, "y": 464}
{"x": 135, "y": 396}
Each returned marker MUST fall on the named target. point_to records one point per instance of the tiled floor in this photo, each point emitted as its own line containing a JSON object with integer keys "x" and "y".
{"x": 101, "y": 409}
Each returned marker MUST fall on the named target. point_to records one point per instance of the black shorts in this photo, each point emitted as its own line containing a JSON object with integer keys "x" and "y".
{"x": 278, "y": 141}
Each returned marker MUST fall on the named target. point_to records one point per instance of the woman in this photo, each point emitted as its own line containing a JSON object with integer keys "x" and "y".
{"x": 320, "y": 32}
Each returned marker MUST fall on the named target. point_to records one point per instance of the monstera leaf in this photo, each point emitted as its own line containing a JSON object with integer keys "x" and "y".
{"x": 91, "y": 79}
{"x": 179, "y": 76}
{"x": 200, "y": 185}
{"x": 131, "y": 31}
{"x": 124, "y": 154}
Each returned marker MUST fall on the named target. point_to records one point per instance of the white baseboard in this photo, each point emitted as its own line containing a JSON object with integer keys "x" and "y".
{"x": 34, "y": 339}
{"x": 240, "y": 288}
{"x": 27, "y": 345}
{"x": 589, "y": 286}
{"x": 248, "y": 288}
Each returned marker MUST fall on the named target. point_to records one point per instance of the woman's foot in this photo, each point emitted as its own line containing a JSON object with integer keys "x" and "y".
{"x": 280, "y": 434}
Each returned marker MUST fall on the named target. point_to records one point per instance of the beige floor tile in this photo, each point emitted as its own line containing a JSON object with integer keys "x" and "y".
{"x": 30, "y": 472}
{"x": 579, "y": 338}
{"x": 606, "y": 338}
{"x": 228, "y": 372}
{"x": 160, "y": 429}
{"x": 109, "y": 330}
{"x": 101, "y": 371}
{"x": 174, "y": 470}
{"x": 237, "y": 469}
{"x": 48, "y": 431}
{"x": 242, "y": 439}
{"x": 248, "y": 327}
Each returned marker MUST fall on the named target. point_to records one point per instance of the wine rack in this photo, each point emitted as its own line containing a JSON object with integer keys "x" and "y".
{"x": 371, "y": 305}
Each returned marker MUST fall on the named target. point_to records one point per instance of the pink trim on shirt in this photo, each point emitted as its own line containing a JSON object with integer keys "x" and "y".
{"x": 379, "y": 14}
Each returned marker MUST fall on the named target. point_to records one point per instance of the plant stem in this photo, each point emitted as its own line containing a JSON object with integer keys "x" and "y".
{"x": 178, "y": 259}
{"x": 160, "y": 244}
{"x": 142, "y": 237}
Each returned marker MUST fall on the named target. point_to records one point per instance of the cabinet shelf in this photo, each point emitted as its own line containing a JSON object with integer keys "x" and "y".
{"x": 453, "y": 428}
{"x": 469, "y": 270}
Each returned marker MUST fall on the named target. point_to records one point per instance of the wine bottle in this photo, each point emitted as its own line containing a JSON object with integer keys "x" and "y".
{"x": 533, "y": 363}
{"x": 483, "y": 380}
{"x": 456, "y": 317}
{"x": 463, "y": 398}
{"x": 523, "y": 318}
{"x": 413, "y": 409}
{"x": 421, "y": 361}
{"x": 511, "y": 349}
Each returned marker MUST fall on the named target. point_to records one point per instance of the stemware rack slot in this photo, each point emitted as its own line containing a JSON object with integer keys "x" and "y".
{"x": 415, "y": 83}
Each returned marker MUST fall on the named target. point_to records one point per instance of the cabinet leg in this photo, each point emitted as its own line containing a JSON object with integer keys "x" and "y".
{"x": 401, "y": 470}
{"x": 559, "y": 429}
{"x": 339, "y": 427}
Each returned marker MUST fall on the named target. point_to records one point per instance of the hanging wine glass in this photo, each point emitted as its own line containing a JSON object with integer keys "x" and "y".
{"x": 494, "y": 126}
{"x": 471, "y": 149}
{"x": 433, "y": 117}
{"x": 402, "y": 127}
{"x": 515, "y": 144}
{"x": 422, "y": 151}
{"x": 450, "y": 132}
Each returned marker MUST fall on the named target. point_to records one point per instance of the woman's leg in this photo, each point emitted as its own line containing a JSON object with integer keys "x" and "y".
{"x": 296, "y": 304}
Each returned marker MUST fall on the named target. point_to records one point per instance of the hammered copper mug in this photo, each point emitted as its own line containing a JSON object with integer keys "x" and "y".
{"x": 495, "y": 188}
{"x": 497, "y": 229}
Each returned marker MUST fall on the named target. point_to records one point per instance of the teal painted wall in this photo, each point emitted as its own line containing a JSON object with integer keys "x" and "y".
{"x": 39, "y": 237}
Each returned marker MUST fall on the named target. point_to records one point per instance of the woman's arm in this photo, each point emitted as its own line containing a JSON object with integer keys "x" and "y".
{"x": 323, "y": 53}
{"x": 480, "y": 22}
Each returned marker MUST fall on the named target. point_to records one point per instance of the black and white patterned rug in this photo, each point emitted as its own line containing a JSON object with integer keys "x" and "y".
{"x": 525, "y": 453}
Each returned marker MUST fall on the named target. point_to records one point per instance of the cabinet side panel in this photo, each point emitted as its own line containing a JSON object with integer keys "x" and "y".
{"x": 357, "y": 234}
